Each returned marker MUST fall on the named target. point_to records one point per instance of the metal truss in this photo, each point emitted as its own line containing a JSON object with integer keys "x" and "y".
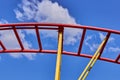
{"x": 59, "y": 52}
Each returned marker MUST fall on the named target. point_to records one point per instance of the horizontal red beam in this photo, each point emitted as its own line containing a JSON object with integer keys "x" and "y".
{"x": 62, "y": 25}
{"x": 54, "y": 52}
{"x": 46, "y": 28}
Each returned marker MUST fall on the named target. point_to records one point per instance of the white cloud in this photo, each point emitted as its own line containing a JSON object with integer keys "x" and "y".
{"x": 9, "y": 40}
{"x": 19, "y": 15}
{"x": 102, "y": 36}
{"x": 3, "y": 21}
{"x": 47, "y": 11}
{"x": 29, "y": 56}
{"x": 114, "y": 49}
{"x": 93, "y": 46}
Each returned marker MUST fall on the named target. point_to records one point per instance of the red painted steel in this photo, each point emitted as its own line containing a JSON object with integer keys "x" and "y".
{"x": 29, "y": 28}
{"x": 62, "y": 25}
{"x": 38, "y": 38}
{"x": 51, "y": 26}
{"x": 54, "y": 52}
{"x": 18, "y": 38}
{"x": 81, "y": 41}
{"x": 3, "y": 47}
{"x": 117, "y": 59}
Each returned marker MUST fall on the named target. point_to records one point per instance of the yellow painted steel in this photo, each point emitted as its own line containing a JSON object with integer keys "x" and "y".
{"x": 59, "y": 54}
{"x": 92, "y": 61}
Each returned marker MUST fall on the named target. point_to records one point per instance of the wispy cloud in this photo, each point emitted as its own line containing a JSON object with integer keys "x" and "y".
{"x": 3, "y": 21}
{"x": 92, "y": 46}
{"x": 48, "y": 11}
{"x": 44, "y": 11}
{"x": 114, "y": 49}
{"x": 102, "y": 36}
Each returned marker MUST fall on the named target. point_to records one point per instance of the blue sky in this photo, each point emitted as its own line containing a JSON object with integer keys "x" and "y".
{"x": 102, "y": 13}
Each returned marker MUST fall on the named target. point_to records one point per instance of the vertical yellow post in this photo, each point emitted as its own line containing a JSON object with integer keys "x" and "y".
{"x": 59, "y": 53}
{"x": 93, "y": 60}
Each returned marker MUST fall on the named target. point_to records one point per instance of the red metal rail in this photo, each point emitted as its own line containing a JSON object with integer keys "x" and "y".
{"x": 39, "y": 26}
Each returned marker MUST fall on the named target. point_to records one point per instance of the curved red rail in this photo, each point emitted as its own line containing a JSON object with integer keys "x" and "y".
{"x": 38, "y": 26}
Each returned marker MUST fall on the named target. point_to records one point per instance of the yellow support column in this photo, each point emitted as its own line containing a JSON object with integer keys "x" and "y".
{"x": 93, "y": 60}
{"x": 59, "y": 53}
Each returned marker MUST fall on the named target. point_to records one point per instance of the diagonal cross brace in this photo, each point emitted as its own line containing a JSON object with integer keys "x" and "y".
{"x": 93, "y": 59}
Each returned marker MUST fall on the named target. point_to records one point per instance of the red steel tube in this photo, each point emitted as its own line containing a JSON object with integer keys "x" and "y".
{"x": 29, "y": 28}
{"x": 18, "y": 38}
{"x": 3, "y": 47}
{"x": 54, "y": 52}
{"x": 38, "y": 38}
{"x": 62, "y": 25}
{"x": 54, "y": 27}
{"x": 81, "y": 41}
{"x": 117, "y": 59}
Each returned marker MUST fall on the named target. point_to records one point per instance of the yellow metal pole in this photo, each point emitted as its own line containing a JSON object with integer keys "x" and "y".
{"x": 92, "y": 64}
{"x": 92, "y": 61}
{"x": 59, "y": 54}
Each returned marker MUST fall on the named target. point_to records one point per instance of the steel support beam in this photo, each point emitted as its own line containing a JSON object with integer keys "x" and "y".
{"x": 93, "y": 59}
{"x": 38, "y": 38}
{"x": 59, "y": 53}
{"x": 3, "y": 47}
{"x": 81, "y": 41}
{"x": 18, "y": 38}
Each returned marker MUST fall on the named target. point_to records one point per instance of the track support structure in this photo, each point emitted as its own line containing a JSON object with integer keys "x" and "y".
{"x": 59, "y": 53}
{"x": 93, "y": 59}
